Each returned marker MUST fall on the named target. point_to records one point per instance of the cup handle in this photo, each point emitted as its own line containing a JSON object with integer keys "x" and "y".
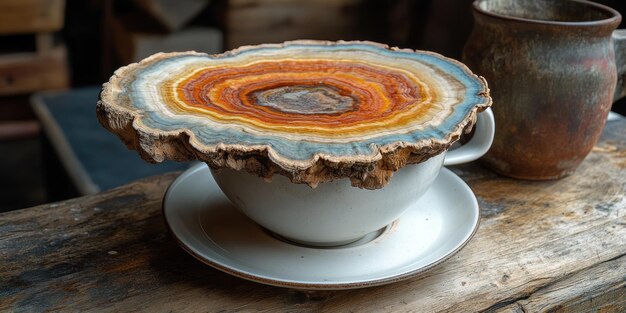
{"x": 478, "y": 145}
{"x": 619, "y": 45}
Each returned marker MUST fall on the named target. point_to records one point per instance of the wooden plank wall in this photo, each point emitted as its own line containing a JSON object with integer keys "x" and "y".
{"x": 269, "y": 21}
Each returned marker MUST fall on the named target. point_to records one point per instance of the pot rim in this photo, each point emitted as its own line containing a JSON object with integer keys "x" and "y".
{"x": 615, "y": 18}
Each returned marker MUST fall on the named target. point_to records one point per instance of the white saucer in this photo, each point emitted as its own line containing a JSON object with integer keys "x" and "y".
{"x": 207, "y": 226}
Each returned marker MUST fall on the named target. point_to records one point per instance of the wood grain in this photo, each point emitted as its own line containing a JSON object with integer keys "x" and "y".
{"x": 542, "y": 246}
{"x": 133, "y": 45}
{"x": 172, "y": 14}
{"x": 27, "y": 72}
{"x": 31, "y": 16}
{"x": 261, "y": 21}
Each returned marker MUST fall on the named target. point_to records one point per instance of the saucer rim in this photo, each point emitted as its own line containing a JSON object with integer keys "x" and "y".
{"x": 316, "y": 286}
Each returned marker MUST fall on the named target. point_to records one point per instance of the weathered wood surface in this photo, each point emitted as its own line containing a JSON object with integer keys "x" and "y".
{"x": 133, "y": 45}
{"x": 31, "y": 16}
{"x": 33, "y": 71}
{"x": 555, "y": 246}
{"x": 248, "y": 22}
{"x": 173, "y": 15}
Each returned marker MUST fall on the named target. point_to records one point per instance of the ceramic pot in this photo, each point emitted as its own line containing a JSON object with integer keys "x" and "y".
{"x": 551, "y": 66}
{"x": 336, "y": 213}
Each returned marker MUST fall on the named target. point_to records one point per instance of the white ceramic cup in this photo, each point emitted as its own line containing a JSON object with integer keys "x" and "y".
{"x": 335, "y": 213}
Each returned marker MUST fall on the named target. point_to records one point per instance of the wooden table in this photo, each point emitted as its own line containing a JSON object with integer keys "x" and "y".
{"x": 556, "y": 246}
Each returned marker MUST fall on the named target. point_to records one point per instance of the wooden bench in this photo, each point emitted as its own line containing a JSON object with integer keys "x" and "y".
{"x": 25, "y": 70}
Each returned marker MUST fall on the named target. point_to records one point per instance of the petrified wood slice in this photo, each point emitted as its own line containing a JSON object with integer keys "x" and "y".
{"x": 313, "y": 111}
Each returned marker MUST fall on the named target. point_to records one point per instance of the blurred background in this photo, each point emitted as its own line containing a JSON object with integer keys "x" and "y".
{"x": 55, "y": 55}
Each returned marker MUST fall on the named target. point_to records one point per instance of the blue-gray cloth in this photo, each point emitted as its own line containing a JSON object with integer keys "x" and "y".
{"x": 104, "y": 157}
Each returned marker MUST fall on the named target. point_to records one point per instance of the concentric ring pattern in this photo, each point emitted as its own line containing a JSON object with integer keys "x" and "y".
{"x": 297, "y": 105}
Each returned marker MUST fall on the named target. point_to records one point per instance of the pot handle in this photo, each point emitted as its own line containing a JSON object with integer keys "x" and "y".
{"x": 478, "y": 145}
{"x": 619, "y": 45}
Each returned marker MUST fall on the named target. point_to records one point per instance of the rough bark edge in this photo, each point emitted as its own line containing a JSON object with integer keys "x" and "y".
{"x": 369, "y": 172}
